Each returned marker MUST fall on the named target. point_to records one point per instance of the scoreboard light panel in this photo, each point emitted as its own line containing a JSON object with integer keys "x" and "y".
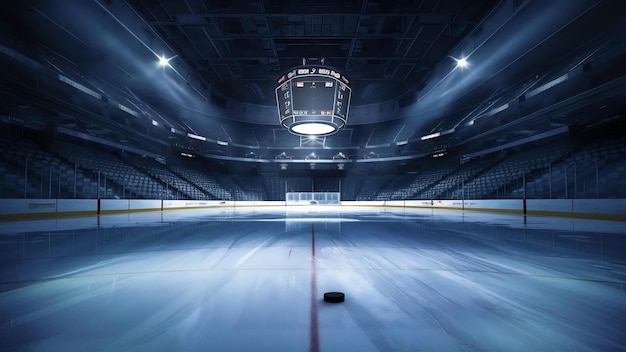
{"x": 313, "y": 91}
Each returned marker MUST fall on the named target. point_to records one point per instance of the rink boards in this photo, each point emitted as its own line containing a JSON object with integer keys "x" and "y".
{"x": 610, "y": 209}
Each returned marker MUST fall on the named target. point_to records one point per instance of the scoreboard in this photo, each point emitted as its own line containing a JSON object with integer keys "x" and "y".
{"x": 313, "y": 95}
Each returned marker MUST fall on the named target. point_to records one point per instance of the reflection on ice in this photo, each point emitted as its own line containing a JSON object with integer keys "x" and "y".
{"x": 240, "y": 280}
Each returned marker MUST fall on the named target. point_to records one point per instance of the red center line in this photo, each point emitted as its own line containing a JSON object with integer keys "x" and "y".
{"x": 314, "y": 344}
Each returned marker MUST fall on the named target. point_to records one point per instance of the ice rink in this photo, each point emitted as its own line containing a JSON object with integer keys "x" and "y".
{"x": 231, "y": 279}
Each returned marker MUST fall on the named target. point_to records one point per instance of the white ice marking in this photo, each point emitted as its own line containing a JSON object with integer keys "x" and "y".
{"x": 250, "y": 253}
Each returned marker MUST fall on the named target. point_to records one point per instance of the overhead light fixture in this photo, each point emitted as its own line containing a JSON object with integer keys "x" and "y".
{"x": 438, "y": 134}
{"x": 339, "y": 156}
{"x": 195, "y": 136}
{"x": 313, "y": 129}
{"x": 430, "y": 136}
{"x": 371, "y": 155}
{"x": 282, "y": 156}
{"x": 164, "y": 61}
{"x": 311, "y": 156}
{"x": 462, "y": 62}
{"x": 313, "y": 100}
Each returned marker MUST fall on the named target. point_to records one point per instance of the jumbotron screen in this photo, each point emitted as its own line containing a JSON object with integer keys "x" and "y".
{"x": 312, "y": 93}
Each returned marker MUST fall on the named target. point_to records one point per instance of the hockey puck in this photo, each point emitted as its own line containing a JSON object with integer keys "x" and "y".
{"x": 334, "y": 297}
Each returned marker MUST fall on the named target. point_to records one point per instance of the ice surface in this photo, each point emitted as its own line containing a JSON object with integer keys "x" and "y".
{"x": 241, "y": 280}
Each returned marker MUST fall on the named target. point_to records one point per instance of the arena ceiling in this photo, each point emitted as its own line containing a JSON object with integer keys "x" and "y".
{"x": 527, "y": 75}
{"x": 386, "y": 48}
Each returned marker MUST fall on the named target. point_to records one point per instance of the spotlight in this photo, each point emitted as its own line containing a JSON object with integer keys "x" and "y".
{"x": 462, "y": 62}
{"x": 164, "y": 61}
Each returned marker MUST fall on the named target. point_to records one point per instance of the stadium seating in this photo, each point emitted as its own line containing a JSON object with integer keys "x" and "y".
{"x": 31, "y": 172}
{"x": 561, "y": 169}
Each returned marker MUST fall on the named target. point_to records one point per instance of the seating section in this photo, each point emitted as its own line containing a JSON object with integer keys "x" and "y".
{"x": 203, "y": 181}
{"x": 554, "y": 170}
{"x": 126, "y": 181}
{"x": 509, "y": 174}
{"x": 30, "y": 172}
{"x": 273, "y": 185}
{"x": 175, "y": 185}
{"x": 13, "y": 182}
{"x": 390, "y": 190}
{"x": 453, "y": 181}
{"x": 593, "y": 169}
{"x": 421, "y": 183}
{"x": 415, "y": 185}
{"x": 372, "y": 186}
{"x": 350, "y": 187}
{"x": 235, "y": 184}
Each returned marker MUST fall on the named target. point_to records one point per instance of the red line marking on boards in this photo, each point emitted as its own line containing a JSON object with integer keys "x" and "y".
{"x": 314, "y": 344}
